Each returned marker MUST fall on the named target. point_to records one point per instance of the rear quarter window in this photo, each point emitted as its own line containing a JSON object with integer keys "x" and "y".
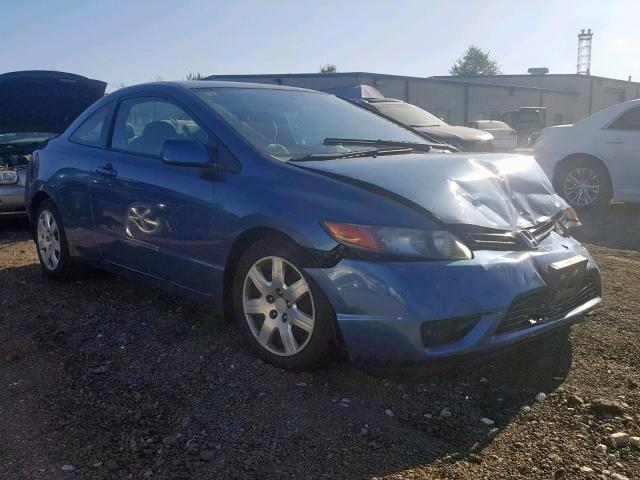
{"x": 628, "y": 121}
{"x": 93, "y": 131}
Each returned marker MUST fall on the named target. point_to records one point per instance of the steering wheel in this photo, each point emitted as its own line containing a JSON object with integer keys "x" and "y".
{"x": 277, "y": 149}
{"x": 174, "y": 123}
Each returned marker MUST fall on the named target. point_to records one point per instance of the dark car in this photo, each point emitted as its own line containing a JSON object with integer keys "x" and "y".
{"x": 35, "y": 106}
{"x": 462, "y": 138}
{"x": 315, "y": 223}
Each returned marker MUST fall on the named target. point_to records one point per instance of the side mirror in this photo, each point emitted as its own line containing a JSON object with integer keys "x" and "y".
{"x": 186, "y": 153}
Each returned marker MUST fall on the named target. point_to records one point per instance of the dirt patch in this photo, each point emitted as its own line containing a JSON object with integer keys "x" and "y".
{"x": 111, "y": 379}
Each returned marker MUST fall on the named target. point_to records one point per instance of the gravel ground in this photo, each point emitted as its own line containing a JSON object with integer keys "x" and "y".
{"x": 105, "y": 378}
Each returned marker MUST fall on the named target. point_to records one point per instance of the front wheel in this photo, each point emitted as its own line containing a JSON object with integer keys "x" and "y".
{"x": 584, "y": 184}
{"x": 284, "y": 315}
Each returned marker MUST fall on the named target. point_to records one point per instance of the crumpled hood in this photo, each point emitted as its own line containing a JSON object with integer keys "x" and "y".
{"x": 505, "y": 192}
{"x": 42, "y": 101}
{"x": 464, "y": 134}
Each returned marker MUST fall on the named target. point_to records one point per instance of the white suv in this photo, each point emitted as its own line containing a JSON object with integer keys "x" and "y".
{"x": 597, "y": 159}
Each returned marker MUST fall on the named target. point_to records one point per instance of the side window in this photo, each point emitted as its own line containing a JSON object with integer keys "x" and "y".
{"x": 143, "y": 124}
{"x": 93, "y": 131}
{"x": 628, "y": 121}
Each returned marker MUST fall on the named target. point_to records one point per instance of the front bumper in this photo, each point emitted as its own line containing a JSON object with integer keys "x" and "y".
{"x": 382, "y": 307}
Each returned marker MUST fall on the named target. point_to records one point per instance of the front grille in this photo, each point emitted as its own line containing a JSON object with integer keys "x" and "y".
{"x": 535, "y": 308}
{"x": 505, "y": 240}
{"x": 492, "y": 241}
{"x": 542, "y": 230}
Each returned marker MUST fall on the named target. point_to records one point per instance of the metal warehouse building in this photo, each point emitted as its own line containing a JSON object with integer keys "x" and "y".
{"x": 459, "y": 100}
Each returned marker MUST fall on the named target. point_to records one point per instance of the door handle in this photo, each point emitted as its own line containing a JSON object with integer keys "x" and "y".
{"x": 617, "y": 140}
{"x": 107, "y": 170}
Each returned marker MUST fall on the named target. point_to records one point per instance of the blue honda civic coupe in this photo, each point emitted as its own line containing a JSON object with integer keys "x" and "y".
{"x": 314, "y": 223}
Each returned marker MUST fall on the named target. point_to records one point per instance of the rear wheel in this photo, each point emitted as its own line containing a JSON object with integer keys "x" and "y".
{"x": 584, "y": 184}
{"x": 51, "y": 243}
{"x": 283, "y": 313}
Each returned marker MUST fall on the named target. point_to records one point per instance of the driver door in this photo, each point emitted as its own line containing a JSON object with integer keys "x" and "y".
{"x": 150, "y": 217}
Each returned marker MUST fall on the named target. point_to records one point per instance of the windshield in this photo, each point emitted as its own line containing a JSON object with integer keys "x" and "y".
{"x": 408, "y": 114}
{"x": 492, "y": 125}
{"x": 289, "y": 124}
{"x": 25, "y": 137}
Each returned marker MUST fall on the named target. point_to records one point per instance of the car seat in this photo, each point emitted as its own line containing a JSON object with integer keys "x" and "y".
{"x": 152, "y": 137}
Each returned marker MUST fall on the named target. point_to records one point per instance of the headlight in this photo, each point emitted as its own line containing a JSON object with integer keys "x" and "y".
{"x": 402, "y": 242}
{"x": 570, "y": 218}
{"x": 8, "y": 178}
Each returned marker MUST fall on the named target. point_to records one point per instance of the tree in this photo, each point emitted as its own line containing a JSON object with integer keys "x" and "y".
{"x": 328, "y": 68}
{"x": 194, "y": 76}
{"x": 475, "y": 62}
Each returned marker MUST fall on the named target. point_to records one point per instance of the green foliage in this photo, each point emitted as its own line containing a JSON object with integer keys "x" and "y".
{"x": 328, "y": 68}
{"x": 475, "y": 62}
{"x": 194, "y": 76}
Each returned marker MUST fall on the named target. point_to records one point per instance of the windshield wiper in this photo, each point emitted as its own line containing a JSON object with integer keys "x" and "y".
{"x": 362, "y": 153}
{"x": 423, "y": 147}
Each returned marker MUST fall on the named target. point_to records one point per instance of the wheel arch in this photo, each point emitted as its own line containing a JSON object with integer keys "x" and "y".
{"x": 36, "y": 201}
{"x": 576, "y": 158}
{"x": 311, "y": 258}
{"x": 240, "y": 245}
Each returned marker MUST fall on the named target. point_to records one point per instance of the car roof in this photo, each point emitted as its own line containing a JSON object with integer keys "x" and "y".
{"x": 192, "y": 85}
{"x": 607, "y": 114}
{"x": 384, "y": 100}
{"x": 487, "y": 122}
{"x": 196, "y": 84}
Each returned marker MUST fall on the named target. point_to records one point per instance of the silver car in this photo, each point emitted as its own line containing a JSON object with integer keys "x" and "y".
{"x": 35, "y": 106}
{"x": 504, "y": 137}
{"x": 15, "y": 154}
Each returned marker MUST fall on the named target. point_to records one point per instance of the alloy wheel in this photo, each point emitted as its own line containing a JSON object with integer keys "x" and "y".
{"x": 278, "y": 306}
{"x": 48, "y": 240}
{"x": 581, "y": 186}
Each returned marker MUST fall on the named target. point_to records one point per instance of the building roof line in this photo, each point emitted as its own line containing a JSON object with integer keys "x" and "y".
{"x": 556, "y": 75}
{"x": 395, "y": 77}
{"x": 502, "y": 85}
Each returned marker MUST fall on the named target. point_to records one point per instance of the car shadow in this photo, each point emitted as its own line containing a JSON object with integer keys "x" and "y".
{"x": 129, "y": 361}
{"x": 616, "y": 226}
{"x": 457, "y": 398}
{"x": 13, "y": 229}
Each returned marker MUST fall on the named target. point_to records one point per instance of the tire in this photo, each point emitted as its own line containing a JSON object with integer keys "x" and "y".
{"x": 288, "y": 322}
{"x": 586, "y": 171}
{"x": 48, "y": 230}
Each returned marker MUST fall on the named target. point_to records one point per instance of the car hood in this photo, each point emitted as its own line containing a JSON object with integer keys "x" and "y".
{"x": 465, "y": 134}
{"x": 505, "y": 192}
{"x": 42, "y": 101}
